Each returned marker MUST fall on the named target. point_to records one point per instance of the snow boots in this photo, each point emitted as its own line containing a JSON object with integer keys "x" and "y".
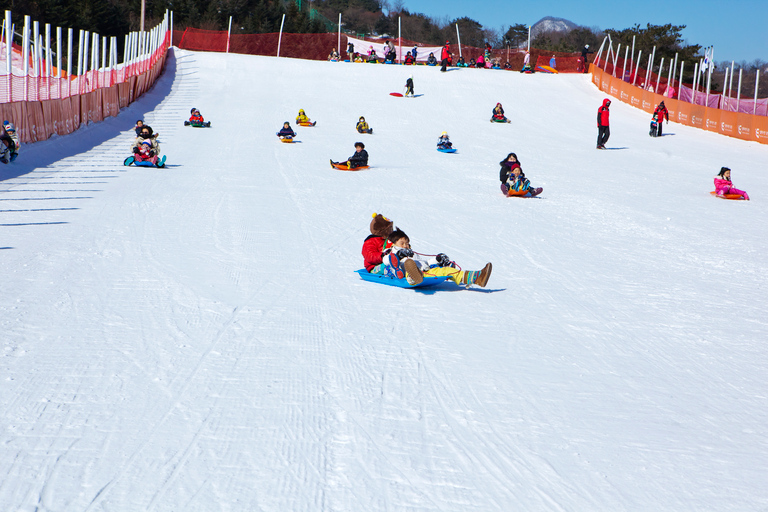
{"x": 407, "y": 269}
{"x": 478, "y": 277}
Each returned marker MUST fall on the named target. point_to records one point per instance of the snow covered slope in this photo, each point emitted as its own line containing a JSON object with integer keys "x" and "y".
{"x": 195, "y": 338}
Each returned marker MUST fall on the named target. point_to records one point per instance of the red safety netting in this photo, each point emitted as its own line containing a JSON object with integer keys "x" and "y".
{"x": 319, "y": 46}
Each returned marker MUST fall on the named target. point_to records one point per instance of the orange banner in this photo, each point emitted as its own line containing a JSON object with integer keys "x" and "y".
{"x": 741, "y": 126}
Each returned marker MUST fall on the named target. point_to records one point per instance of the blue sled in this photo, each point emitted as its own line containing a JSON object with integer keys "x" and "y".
{"x": 447, "y": 150}
{"x": 131, "y": 161}
{"x": 400, "y": 283}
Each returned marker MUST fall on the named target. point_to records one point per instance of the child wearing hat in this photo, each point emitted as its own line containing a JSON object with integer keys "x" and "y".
{"x": 723, "y": 185}
{"x": 9, "y": 143}
{"x": 374, "y": 244}
{"x": 362, "y": 126}
{"x": 444, "y": 142}
{"x": 286, "y": 132}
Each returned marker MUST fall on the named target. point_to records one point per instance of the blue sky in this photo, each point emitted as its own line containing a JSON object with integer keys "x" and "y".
{"x": 738, "y": 29}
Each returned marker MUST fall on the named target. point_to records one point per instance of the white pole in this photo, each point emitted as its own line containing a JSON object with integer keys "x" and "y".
{"x": 738, "y": 93}
{"x": 658, "y": 76}
{"x": 674, "y": 69}
{"x": 624, "y": 69}
{"x": 757, "y": 82}
{"x": 596, "y": 62}
{"x": 112, "y": 59}
{"x": 8, "y": 55}
{"x": 633, "y": 53}
{"x": 280, "y": 37}
{"x": 730, "y": 84}
{"x": 36, "y": 48}
{"x": 48, "y": 66}
{"x": 25, "y": 56}
{"x": 615, "y": 58}
{"x": 724, "y": 101}
{"x": 95, "y": 62}
{"x": 637, "y": 66}
{"x": 58, "y": 51}
{"x": 669, "y": 76}
{"x": 143, "y": 8}
{"x": 695, "y": 82}
{"x": 229, "y": 33}
{"x": 458, "y": 38}
{"x": 529, "y": 39}
{"x": 399, "y": 40}
{"x": 8, "y": 44}
{"x": 338, "y": 44}
{"x": 680, "y": 79}
{"x": 648, "y": 72}
{"x": 170, "y": 39}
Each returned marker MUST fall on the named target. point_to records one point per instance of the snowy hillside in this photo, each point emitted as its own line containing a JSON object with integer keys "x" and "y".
{"x": 195, "y": 338}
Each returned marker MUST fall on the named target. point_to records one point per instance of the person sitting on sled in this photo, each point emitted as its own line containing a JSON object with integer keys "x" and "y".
{"x": 302, "y": 117}
{"x": 400, "y": 261}
{"x": 286, "y": 132}
{"x": 362, "y": 126}
{"x": 444, "y": 142}
{"x": 513, "y": 178}
{"x": 138, "y": 127}
{"x": 409, "y": 86}
{"x": 374, "y": 244}
{"x": 146, "y": 134}
{"x": 9, "y": 143}
{"x": 144, "y": 152}
{"x": 196, "y": 117}
{"x": 498, "y": 113}
{"x": 724, "y": 186}
{"x": 431, "y": 60}
{"x": 409, "y": 59}
{"x": 372, "y": 57}
{"x": 359, "y": 159}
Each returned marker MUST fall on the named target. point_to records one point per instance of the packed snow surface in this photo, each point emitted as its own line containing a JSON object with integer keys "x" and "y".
{"x": 195, "y": 338}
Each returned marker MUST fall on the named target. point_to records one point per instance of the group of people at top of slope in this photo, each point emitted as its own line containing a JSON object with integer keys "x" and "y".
{"x": 387, "y": 251}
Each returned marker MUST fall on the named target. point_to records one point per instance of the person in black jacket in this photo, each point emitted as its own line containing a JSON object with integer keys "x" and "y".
{"x": 584, "y": 53}
{"x": 359, "y": 159}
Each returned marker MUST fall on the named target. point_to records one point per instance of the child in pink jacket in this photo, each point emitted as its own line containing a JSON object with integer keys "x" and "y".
{"x": 724, "y": 186}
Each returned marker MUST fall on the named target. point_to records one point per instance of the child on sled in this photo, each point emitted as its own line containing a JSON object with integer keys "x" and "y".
{"x": 444, "y": 142}
{"x": 400, "y": 261}
{"x": 286, "y": 132}
{"x": 513, "y": 179}
{"x": 724, "y": 186}
{"x": 302, "y": 118}
{"x": 362, "y": 126}
{"x": 196, "y": 118}
{"x": 9, "y": 143}
{"x": 359, "y": 159}
{"x": 498, "y": 114}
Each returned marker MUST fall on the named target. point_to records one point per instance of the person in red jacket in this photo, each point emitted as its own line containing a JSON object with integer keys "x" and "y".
{"x": 373, "y": 247}
{"x": 603, "y": 131}
{"x": 661, "y": 112}
{"x": 445, "y": 56}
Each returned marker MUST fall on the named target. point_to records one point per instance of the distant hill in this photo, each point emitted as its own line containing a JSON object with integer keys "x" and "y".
{"x": 552, "y": 24}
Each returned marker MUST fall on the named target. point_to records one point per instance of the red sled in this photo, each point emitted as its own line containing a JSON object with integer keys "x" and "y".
{"x": 397, "y": 94}
{"x": 734, "y": 197}
{"x": 343, "y": 167}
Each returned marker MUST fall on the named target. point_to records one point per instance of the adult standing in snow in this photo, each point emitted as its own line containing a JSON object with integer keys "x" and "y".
{"x": 661, "y": 112}
{"x": 391, "y": 52}
{"x": 603, "y": 131}
{"x": 584, "y": 52}
{"x": 351, "y": 52}
{"x": 445, "y": 54}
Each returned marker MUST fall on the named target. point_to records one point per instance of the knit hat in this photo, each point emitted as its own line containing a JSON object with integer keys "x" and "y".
{"x": 381, "y": 226}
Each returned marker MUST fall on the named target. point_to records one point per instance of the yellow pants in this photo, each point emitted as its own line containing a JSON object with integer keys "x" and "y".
{"x": 457, "y": 276}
